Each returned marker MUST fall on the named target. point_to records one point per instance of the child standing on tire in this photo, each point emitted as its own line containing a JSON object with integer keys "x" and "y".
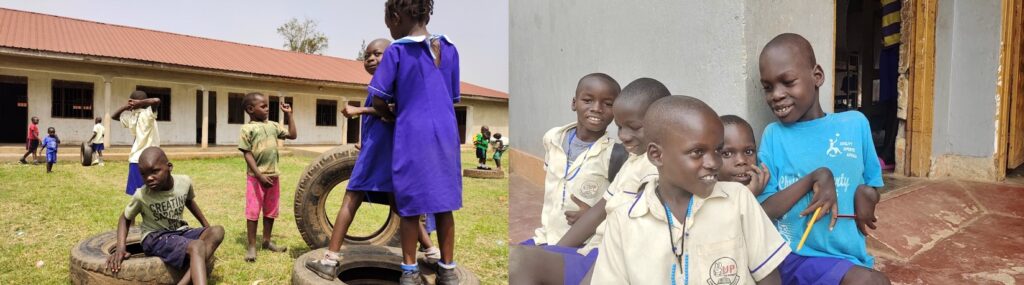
{"x": 420, "y": 74}
{"x": 372, "y": 174}
{"x": 50, "y": 144}
{"x": 165, "y": 234}
{"x": 481, "y": 141}
{"x": 258, "y": 142}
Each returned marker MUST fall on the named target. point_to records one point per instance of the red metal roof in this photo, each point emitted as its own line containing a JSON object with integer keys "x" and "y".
{"x": 35, "y": 31}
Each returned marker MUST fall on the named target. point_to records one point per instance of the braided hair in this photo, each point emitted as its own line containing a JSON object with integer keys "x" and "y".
{"x": 420, "y": 10}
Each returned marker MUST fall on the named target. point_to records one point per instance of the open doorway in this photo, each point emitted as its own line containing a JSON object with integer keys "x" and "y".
{"x": 14, "y": 107}
{"x": 460, "y": 117}
{"x": 866, "y": 68}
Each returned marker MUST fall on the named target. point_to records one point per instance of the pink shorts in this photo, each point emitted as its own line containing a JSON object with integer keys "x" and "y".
{"x": 259, "y": 198}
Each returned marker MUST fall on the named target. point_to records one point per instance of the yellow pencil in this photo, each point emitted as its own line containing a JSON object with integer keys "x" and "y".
{"x": 808, "y": 230}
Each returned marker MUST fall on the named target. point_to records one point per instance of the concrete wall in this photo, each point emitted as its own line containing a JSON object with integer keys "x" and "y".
{"x": 181, "y": 129}
{"x": 493, "y": 114}
{"x": 706, "y": 49}
{"x": 967, "y": 37}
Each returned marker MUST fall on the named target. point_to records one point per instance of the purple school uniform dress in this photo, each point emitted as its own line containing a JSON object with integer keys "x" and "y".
{"x": 425, "y": 164}
{"x": 372, "y": 173}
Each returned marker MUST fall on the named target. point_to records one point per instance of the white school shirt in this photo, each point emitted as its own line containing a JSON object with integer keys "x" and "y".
{"x": 729, "y": 240}
{"x": 622, "y": 190}
{"x": 142, "y": 124}
{"x": 586, "y": 179}
{"x": 98, "y": 129}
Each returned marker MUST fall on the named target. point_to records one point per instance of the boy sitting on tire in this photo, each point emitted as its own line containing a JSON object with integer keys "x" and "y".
{"x": 165, "y": 234}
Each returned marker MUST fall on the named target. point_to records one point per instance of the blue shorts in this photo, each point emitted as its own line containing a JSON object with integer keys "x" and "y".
{"x": 97, "y": 147}
{"x": 51, "y": 157}
{"x": 171, "y": 246}
{"x": 798, "y": 269}
{"x": 134, "y": 179}
{"x": 430, "y": 224}
{"x": 575, "y": 265}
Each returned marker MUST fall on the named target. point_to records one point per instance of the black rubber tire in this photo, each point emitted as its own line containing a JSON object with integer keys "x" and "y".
{"x": 87, "y": 154}
{"x": 485, "y": 174}
{"x": 317, "y": 180}
{"x": 363, "y": 256}
{"x": 88, "y": 263}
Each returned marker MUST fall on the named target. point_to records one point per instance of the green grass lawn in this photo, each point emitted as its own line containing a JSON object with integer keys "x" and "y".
{"x": 43, "y": 216}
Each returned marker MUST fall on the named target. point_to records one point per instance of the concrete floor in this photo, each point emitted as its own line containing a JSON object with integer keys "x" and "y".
{"x": 929, "y": 231}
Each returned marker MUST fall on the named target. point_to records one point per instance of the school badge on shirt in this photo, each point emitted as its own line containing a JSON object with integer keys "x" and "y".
{"x": 724, "y": 271}
{"x": 590, "y": 189}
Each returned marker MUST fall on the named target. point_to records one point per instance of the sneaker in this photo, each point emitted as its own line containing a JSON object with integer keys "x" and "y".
{"x": 23, "y": 161}
{"x": 325, "y": 271}
{"x": 411, "y": 278}
{"x": 446, "y": 276}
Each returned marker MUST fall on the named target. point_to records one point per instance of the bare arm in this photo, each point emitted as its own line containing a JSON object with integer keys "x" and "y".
{"x": 772, "y": 279}
{"x": 250, "y": 161}
{"x": 117, "y": 114}
{"x": 383, "y": 110}
{"x": 287, "y": 109}
{"x": 145, "y": 102}
{"x": 120, "y": 253}
{"x": 780, "y": 203}
{"x": 194, "y": 208}
{"x": 585, "y": 226}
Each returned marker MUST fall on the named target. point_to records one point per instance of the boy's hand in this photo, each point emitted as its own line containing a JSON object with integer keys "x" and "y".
{"x": 265, "y": 181}
{"x": 132, "y": 104}
{"x": 286, "y": 108}
{"x": 114, "y": 261}
{"x": 824, "y": 197}
{"x": 572, "y": 216}
{"x": 758, "y": 179}
{"x": 864, "y": 201}
{"x": 350, "y": 111}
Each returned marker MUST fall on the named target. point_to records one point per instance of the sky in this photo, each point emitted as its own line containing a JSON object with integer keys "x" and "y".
{"x": 480, "y": 35}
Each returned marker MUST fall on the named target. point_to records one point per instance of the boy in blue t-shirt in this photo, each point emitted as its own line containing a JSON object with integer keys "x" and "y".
{"x": 831, "y": 155}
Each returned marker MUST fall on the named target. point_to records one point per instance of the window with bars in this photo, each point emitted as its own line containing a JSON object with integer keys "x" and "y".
{"x": 163, "y": 111}
{"x": 326, "y": 112}
{"x": 236, "y": 114}
{"x": 71, "y": 99}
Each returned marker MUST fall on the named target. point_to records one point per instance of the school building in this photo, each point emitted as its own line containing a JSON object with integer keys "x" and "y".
{"x": 69, "y": 71}
{"x": 956, "y": 67}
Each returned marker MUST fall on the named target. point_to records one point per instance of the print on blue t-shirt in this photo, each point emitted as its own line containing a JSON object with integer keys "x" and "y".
{"x": 842, "y": 142}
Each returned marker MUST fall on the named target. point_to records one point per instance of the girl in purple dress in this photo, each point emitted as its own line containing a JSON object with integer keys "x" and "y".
{"x": 419, "y": 72}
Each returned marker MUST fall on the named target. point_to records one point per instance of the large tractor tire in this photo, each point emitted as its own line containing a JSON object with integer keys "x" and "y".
{"x": 369, "y": 265}
{"x": 89, "y": 263}
{"x": 318, "y": 179}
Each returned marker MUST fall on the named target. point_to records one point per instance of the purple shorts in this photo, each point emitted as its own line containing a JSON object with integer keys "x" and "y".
{"x": 171, "y": 246}
{"x": 798, "y": 269}
{"x": 575, "y": 265}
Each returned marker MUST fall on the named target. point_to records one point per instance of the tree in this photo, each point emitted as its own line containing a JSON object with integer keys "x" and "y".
{"x": 303, "y": 36}
{"x": 362, "y": 52}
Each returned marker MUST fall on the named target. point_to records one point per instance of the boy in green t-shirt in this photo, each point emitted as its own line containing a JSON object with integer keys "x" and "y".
{"x": 258, "y": 143}
{"x": 482, "y": 141}
{"x": 165, "y": 234}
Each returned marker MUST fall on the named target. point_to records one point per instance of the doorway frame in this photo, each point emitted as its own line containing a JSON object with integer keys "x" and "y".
{"x": 917, "y": 78}
{"x": 1010, "y": 51}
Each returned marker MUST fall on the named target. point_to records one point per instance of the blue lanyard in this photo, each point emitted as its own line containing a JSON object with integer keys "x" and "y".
{"x": 568, "y": 154}
{"x": 681, "y": 257}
